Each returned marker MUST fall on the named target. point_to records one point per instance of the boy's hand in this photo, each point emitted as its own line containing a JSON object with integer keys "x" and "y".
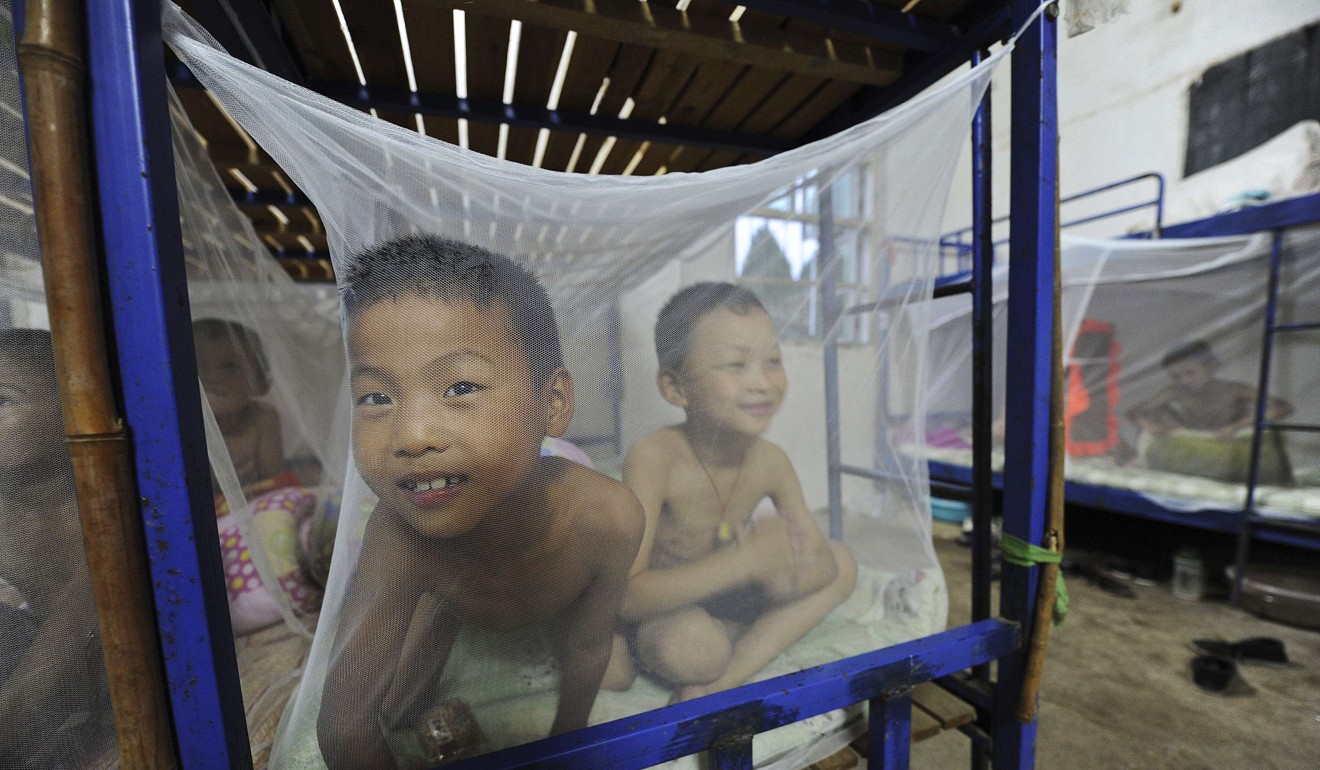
{"x": 767, "y": 553}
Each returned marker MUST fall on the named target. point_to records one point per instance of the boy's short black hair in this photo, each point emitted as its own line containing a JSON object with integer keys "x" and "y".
{"x": 1196, "y": 350}
{"x": 687, "y": 307}
{"x": 32, "y": 349}
{"x": 436, "y": 268}
{"x": 246, "y": 342}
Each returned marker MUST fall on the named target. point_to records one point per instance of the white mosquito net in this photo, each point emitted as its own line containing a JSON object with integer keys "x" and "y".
{"x": 54, "y": 697}
{"x": 1164, "y": 342}
{"x": 578, "y": 466}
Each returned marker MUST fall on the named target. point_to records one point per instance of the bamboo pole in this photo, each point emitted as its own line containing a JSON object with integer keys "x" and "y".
{"x": 1042, "y": 619}
{"x": 54, "y": 74}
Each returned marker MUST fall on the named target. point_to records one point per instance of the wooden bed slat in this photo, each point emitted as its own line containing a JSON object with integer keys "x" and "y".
{"x": 942, "y": 705}
{"x": 662, "y": 27}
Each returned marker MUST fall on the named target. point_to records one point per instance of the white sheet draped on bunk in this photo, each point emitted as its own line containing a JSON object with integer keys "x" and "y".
{"x": 610, "y": 252}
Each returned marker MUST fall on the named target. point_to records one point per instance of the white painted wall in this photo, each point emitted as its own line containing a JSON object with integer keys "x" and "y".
{"x": 1123, "y": 91}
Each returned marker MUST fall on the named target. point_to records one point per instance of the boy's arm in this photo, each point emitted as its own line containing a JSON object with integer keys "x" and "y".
{"x": 586, "y": 643}
{"x": 812, "y": 559}
{"x": 1275, "y": 409}
{"x": 1152, "y": 414}
{"x": 654, "y": 592}
{"x": 372, "y": 628}
{"x": 54, "y": 665}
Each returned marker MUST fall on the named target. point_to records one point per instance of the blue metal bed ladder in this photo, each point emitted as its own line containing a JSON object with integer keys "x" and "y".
{"x": 140, "y": 218}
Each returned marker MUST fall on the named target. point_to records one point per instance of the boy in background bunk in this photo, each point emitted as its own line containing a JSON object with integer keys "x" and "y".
{"x": 54, "y": 699}
{"x": 1193, "y": 427}
{"x": 715, "y": 596}
{"x": 457, "y": 376}
{"x": 1197, "y": 400}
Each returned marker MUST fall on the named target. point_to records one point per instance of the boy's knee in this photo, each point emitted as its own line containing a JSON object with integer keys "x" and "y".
{"x": 689, "y": 647}
{"x": 846, "y": 579}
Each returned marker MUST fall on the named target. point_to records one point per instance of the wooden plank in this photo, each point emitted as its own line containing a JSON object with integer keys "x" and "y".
{"x": 787, "y": 96}
{"x": 538, "y": 57}
{"x": 662, "y": 27}
{"x": 752, "y": 89}
{"x": 376, "y": 39}
{"x": 630, "y": 63}
{"x": 317, "y": 39}
{"x": 943, "y": 705}
{"x": 588, "y": 66}
{"x": 655, "y": 158}
{"x": 487, "y": 52}
{"x": 665, "y": 79}
{"x": 705, "y": 90}
{"x": 844, "y": 759}
{"x": 431, "y": 37}
{"x": 444, "y": 129}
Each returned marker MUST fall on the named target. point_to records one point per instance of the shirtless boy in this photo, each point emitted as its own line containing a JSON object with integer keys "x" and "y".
{"x": 232, "y": 367}
{"x": 457, "y": 376}
{"x": 716, "y": 596}
{"x": 1199, "y": 401}
{"x": 51, "y": 669}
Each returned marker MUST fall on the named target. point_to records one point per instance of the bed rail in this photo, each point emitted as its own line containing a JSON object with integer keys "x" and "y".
{"x": 725, "y": 723}
{"x": 956, "y": 245}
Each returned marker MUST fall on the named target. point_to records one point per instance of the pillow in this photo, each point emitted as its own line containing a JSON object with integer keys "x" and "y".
{"x": 277, "y": 518}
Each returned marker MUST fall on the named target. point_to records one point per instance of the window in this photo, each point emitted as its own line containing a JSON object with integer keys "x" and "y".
{"x": 776, "y": 251}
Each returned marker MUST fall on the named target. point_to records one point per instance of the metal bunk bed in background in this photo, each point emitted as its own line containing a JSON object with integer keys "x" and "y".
{"x": 1246, "y": 523}
{"x": 153, "y": 360}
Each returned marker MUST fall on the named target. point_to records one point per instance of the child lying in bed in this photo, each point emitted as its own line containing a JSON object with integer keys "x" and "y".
{"x": 1198, "y": 401}
{"x": 716, "y": 596}
{"x": 1192, "y": 427}
{"x": 457, "y": 376}
{"x": 53, "y": 693}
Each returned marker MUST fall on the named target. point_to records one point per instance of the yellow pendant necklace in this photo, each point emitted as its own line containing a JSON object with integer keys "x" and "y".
{"x": 724, "y": 532}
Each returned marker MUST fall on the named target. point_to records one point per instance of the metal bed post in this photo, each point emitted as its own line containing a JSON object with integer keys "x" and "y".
{"x": 983, "y": 333}
{"x": 1031, "y": 308}
{"x": 616, "y": 374}
{"x": 156, "y": 366}
{"x": 831, "y": 312}
{"x": 1262, "y": 406}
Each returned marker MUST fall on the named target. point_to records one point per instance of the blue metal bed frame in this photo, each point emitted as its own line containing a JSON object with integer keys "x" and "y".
{"x": 153, "y": 346}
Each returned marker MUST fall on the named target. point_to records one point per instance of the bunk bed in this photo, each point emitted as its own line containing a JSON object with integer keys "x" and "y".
{"x": 1252, "y": 506}
{"x": 156, "y": 382}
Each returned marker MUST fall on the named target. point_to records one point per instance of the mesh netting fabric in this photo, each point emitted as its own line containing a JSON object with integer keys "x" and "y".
{"x": 486, "y": 589}
{"x": 1163, "y": 402}
{"x": 54, "y": 697}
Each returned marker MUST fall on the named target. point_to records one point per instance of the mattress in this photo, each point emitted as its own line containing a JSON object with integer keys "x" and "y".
{"x": 885, "y": 609}
{"x": 1174, "y": 491}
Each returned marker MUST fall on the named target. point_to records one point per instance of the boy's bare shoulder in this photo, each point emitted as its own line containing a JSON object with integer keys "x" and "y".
{"x": 768, "y": 456}
{"x": 598, "y": 506}
{"x": 657, "y": 448}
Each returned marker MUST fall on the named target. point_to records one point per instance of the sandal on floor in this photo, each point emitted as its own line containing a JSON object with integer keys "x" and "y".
{"x": 1218, "y": 675}
{"x": 1258, "y": 649}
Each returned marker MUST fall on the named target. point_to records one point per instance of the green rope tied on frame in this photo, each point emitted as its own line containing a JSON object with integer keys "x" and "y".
{"x": 1023, "y": 554}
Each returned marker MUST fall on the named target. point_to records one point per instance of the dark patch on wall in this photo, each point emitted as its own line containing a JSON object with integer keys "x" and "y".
{"x": 1240, "y": 103}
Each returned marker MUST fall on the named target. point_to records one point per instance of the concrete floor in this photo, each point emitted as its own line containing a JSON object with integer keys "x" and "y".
{"x": 1118, "y": 691}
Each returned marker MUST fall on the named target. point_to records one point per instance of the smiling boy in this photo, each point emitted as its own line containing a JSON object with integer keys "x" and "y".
{"x": 715, "y": 595}
{"x": 457, "y": 377}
